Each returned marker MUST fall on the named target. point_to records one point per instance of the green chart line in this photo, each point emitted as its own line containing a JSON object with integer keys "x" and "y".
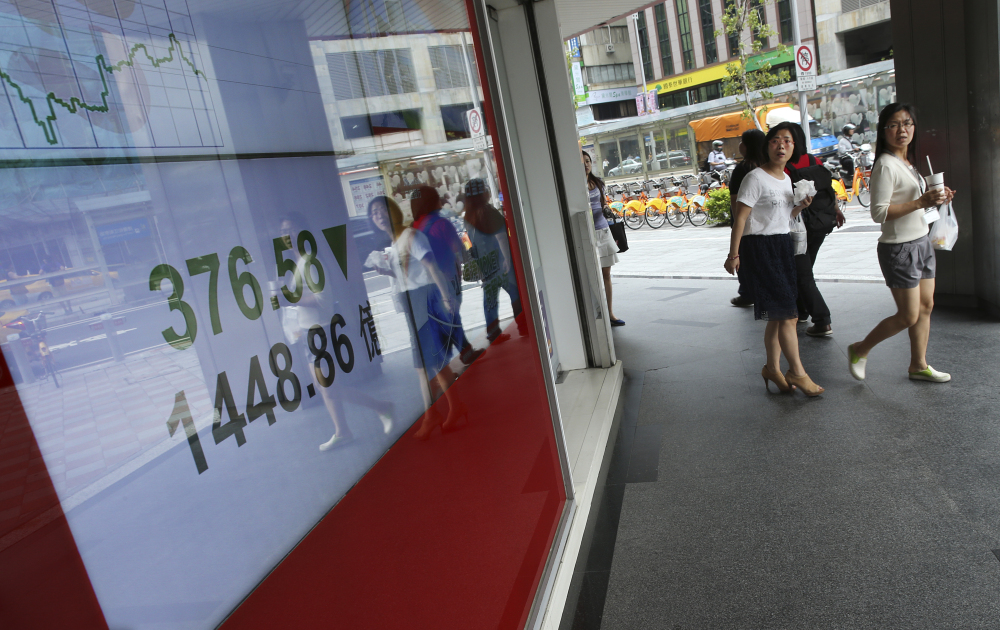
{"x": 74, "y": 104}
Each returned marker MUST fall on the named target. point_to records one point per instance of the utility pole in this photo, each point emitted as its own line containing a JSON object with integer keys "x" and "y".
{"x": 793, "y": 5}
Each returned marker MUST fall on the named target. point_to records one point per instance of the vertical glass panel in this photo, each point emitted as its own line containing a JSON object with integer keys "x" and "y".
{"x": 684, "y": 26}
{"x": 663, "y": 32}
{"x": 631, "y": 164}
{"x": 255, "y": 255}
{"x": 708, "y": 30}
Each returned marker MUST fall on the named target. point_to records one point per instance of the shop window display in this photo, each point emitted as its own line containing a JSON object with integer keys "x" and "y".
{"x": 241, "y": 277}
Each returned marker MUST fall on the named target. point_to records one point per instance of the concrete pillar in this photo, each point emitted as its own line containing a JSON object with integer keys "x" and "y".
{"x": 946, "y": 56}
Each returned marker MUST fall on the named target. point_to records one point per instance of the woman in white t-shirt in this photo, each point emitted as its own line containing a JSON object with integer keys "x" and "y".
{"x": 425, "y": 297}
{"x": 764, "y": 208}
{"x": 905, "y": 252}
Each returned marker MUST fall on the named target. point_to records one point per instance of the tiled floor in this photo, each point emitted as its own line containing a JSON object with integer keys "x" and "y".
{"x": 876, "y": 505}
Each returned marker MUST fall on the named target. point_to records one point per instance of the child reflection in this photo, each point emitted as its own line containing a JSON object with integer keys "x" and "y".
{"x": 316, "y": 309}
{"x": 449, "y": 254}
{"x": 428, "y": 301}
{"x": 487, "y": 231}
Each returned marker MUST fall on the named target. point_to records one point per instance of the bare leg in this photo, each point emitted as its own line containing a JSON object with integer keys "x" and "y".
{"x": 789, "y": 341}
{"x": 607, "y": 290}
{"x": 773, "y": 346}
{"x": 921, "y": 330}
{"x": 907, "y": 314}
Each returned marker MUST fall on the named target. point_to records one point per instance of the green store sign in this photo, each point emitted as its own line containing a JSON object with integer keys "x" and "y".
{"x": 773, "y": 57}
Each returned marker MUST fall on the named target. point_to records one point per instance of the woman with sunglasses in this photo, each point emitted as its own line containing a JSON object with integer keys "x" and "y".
{"x": 764, "y": 208}
{"x": 905, "y": 252}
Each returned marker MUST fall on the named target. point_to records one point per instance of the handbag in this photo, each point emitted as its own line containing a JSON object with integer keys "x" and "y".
{"x": 944, "y": 231}
{"x": 618, "y": 233}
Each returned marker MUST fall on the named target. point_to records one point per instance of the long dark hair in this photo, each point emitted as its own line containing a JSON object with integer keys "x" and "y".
{"x": 594, "y": 178}
{"x": 883, "y": 119}
{"x": 753, "y": 144}
{"x": 796, "y": 149}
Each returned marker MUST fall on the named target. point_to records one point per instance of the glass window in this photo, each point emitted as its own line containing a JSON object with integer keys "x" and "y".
{"x": 733, "y": 41}
{"x": 785, "y": 20}
{"x": 631, "y": 158}
{"x": 708, "y": 30}
{"x": 643, "y": 34}
{"x": 656, "y": 151}
{"x": 449, "y": 67}
{"x": 663, "y": 32}
{"x": 248, "y": 257}
{"x": 609, "y": 73}
{"x": 609, "y": 156}
{"x": 684, "y": 27}
{"x": 758, "y": 7}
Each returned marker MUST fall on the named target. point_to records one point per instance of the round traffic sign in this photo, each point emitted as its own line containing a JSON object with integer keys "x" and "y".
{"x": 804, "y": 58}
{"x": 475, "y": 122}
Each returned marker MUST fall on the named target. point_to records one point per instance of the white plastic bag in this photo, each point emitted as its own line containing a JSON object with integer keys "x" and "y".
{"x": 797, "y": 230}
{"x": 944, "y": 231}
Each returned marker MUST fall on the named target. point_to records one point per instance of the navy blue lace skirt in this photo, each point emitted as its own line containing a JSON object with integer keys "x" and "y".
{"x": 768, "y": 262}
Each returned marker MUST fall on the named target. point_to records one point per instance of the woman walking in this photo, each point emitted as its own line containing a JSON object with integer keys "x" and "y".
{"x": 905, "y": 253}
{"x": 763, "y": 211}
{"x": 607, "y": 249}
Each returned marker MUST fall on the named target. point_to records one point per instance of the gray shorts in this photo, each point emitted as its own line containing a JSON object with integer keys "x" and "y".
{"x": 904, "y": 265}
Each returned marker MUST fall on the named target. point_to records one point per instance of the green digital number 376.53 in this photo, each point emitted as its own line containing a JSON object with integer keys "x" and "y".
{"x": 183, "y": 340}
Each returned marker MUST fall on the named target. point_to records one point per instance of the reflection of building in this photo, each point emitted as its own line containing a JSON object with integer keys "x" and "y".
{"x": 390, "y": 98}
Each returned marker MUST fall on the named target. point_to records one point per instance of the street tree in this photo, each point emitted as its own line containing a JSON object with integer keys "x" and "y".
{"x": 744, "y": 26}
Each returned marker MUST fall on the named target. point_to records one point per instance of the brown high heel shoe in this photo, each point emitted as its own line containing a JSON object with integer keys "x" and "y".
{"x": 777, "y": 378}
{"x": 804, "y": 383}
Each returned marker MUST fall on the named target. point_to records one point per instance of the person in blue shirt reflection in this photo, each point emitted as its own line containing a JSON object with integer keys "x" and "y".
{"x": 449, "y": 254}
{"x": 315, "y": 309}
{"x": 487, "y": 231}
{"x": 423, "y": 294}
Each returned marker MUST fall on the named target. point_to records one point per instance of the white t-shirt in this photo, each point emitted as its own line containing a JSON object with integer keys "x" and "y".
{"x": 771, "y": 201}
{"x": 408, "y": 251}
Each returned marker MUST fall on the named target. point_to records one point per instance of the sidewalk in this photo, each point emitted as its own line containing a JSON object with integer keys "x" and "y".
{"x": 847, "y": 255}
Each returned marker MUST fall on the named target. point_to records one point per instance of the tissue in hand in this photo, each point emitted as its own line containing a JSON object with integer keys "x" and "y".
{"x": 804, "y": 188}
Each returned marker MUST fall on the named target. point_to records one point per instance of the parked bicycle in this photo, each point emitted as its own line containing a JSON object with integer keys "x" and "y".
{"x": 680, "y": 206}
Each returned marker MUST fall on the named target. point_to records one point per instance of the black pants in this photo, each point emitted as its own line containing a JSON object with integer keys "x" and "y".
{"x": 745, "y": 291}
{"x": 810, "y": 301}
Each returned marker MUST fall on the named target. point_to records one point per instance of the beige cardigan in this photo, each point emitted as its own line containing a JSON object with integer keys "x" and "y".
{"x": 893, "y": 182}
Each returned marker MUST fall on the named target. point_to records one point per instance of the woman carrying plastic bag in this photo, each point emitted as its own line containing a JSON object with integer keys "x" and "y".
{"x": 905, "y": 252}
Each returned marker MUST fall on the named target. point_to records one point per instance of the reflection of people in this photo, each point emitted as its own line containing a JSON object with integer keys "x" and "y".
{"x": 607, "y": 250}
{"x": 311, "y": 311}
{"x": 905, "y": 252}
{"x": 449, "y": 254}
{"x": 752, "y": 150}
{"x": 487, "y": 231}
{"x": 426, "y": 299}
{"x": 763, "y": 210}
{"x": 716, "y": 159}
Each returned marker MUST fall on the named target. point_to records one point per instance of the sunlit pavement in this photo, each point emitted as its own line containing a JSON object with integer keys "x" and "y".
{"x": 847, "y": 255}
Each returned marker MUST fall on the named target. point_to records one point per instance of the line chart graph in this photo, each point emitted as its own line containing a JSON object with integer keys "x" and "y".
{"x": 76, "y": 77}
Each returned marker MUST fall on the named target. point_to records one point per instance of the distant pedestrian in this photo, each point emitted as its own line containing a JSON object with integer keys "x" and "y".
{"x": 905, "y": 252}
{"x": 764, "y": 210}
{"x": 607, "y": 249}
{"x": 752, "y": 150}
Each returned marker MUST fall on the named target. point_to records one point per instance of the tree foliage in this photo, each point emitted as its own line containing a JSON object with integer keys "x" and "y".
{"x": 743, "y": 26}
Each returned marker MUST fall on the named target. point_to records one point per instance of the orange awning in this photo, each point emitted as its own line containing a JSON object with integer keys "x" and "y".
{"x": 729, "y": 125}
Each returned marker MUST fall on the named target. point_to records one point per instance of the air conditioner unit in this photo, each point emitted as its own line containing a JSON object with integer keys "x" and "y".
{"x": 610, "y": 48}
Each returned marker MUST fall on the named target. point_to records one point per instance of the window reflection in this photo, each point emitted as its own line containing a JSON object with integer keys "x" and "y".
{"x": 230, "y": 235}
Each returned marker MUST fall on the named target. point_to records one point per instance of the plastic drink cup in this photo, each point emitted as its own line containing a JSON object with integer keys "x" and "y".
{"x": 935, "y": 181}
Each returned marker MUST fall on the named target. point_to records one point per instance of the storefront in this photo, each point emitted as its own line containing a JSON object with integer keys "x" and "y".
{"x": 284, "y": 221}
